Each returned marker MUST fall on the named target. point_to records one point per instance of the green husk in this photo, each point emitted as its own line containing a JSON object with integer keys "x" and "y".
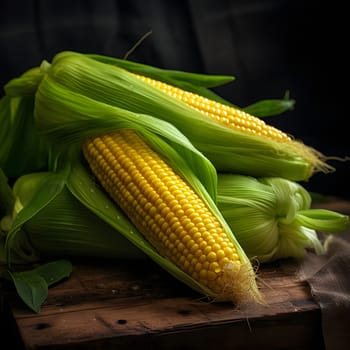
{"x": 57, "y": 225}
{"x": 272, "y": 218}
{"x": 22, "y": 149}
{"x": 26, "y": 84}
{"x": 227, "y": 149}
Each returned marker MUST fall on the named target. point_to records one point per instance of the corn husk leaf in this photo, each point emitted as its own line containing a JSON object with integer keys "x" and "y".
{"x": 22, "y": 149}
{"x": 50, "y": 226}
{"x": 24, "y": 85}
{"x": 281, "y": 221}
{"x": 270, "y": 107}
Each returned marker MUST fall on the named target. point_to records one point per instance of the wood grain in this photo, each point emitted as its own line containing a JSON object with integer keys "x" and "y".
{"x": 138, "y": 305}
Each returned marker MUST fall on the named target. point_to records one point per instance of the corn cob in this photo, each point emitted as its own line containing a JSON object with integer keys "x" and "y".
{"x": 169, "y": 213}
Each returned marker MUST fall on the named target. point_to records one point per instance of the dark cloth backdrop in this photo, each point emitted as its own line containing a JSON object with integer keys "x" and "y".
{"x": 270, "y": 46}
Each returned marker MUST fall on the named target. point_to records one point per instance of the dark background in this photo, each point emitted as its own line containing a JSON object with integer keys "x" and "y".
{"x": 270, "y": 46}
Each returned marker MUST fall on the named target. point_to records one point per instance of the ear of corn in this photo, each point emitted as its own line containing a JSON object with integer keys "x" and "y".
{"x": 281, "y": 221}
{"x": 104, "y": 207}
{"x": 229, "y": 149}
{"x": 170, "y": 214}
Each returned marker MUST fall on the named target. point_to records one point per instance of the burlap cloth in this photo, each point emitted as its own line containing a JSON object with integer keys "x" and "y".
{"x": 329, "y": 279}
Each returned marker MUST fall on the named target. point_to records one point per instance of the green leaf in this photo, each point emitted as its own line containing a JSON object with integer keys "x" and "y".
{"x": 271, "y": 107}
{"x": 32, "y": 286}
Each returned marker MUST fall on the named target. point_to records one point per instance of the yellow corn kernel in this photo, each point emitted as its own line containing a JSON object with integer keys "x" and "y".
{"x": 219, "y": 112}
{"x": 143, "y": 186}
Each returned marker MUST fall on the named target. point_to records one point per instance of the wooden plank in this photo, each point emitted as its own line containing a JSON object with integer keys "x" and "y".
{"x": 128, "y": 304}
